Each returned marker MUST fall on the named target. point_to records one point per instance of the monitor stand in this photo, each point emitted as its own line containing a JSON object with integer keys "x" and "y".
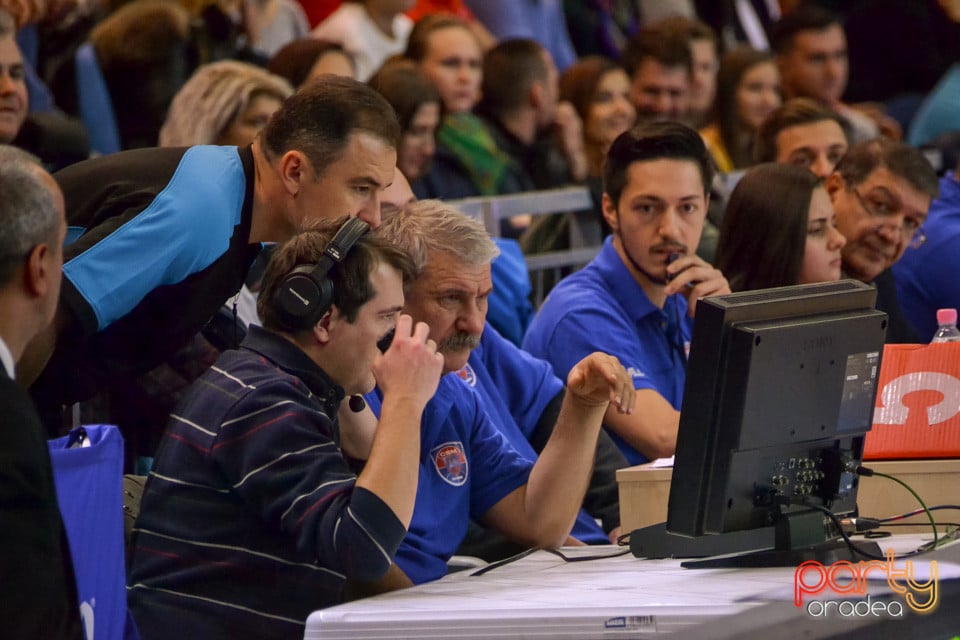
{"x": 796, "y": 538}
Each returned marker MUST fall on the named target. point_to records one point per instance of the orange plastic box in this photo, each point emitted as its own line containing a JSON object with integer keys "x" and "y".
{"x": 917, "y": 412}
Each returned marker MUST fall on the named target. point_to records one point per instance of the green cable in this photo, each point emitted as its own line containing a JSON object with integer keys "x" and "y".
{"x": 919, "y": 499}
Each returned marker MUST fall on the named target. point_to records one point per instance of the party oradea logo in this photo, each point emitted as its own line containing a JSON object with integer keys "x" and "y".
{"x": 814, "y": 583}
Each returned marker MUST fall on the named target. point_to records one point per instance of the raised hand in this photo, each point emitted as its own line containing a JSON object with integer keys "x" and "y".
{"x": 695, "y": 278}
{"x": 600, "y": 379}
{"x": 411, "y": 367}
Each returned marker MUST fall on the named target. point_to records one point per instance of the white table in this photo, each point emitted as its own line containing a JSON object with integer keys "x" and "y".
{"x": 541, "y": 596}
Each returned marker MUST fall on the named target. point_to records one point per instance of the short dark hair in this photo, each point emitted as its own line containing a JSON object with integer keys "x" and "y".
{"x": 899, "y": 158}
{"x": 510, "y": 69}
{"x": 406, "y": 88}
{"x": 654, "y": 141}
{"x": 296, "y": 59}
{"x": 661, "y": 42}
{"x": 792, "y": 113}
{"x": 351, "y": 278}
{"x": 320, "y": 118}
{"x": 764, "y": 229}
{"x": 806, "y": 17}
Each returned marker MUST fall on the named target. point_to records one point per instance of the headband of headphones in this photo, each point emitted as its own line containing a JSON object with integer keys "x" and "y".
{"x": 306, "y": 293}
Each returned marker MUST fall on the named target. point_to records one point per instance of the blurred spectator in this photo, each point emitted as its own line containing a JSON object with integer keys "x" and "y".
{"x": 811, "y": 50}
{"x": 224, "y": 103}
{"x": 521, "y": 108}
{"x": 457, "y": 8}
{"x": 805, "y": 133}
{"x": 13, "y": 87}
{"x": 56, "y": 140}
{"x": 270, "y": 24}
{"x": 467, "y": 162}
{"x": 660, "y": 70}
{"x": 371, "y": 30}
{"x": 748, "y": 91}
{"x": 599, "y": 90}
{"x": 541, "y": 20}
{"x": 417, "y": 104}
{"x": 144, "y": 51}
{"x": 306, "y": 59}
{"x": 704, "y": 58}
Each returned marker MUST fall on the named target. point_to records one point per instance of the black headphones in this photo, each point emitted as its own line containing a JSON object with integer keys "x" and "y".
{"x": 306, "y": 293}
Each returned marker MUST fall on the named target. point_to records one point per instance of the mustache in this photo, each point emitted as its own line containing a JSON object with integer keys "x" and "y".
{"x": 669, "y": 248}
{"x": 459, "y": 341}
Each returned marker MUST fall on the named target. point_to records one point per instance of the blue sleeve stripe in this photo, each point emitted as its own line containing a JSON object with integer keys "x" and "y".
{"x": 183, "y": 231}
{"x": 73, "y": 234}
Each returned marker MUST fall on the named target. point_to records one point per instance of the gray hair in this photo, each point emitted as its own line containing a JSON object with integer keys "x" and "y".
{"x": 425, "y": 226}
{"x": 28, "y": 213}
{"x": 212, "y": 98}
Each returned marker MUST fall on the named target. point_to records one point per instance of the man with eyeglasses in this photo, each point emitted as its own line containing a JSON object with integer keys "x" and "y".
{"x": 881, "y": 191}
{"x": 927, "y": 276}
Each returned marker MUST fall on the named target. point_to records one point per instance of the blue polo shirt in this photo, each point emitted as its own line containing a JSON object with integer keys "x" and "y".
{"x": 927, "y": 276}
{"x": 514, "y": 389}
{"x": 602, "y": 308}
{"x": 466, "y": 467}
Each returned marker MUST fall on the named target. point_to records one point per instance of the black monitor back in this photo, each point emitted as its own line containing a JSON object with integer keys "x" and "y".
{"x": 779, "y": 394}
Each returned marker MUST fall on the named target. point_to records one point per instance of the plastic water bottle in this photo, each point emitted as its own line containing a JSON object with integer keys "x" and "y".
{"x": 947, "y": 331}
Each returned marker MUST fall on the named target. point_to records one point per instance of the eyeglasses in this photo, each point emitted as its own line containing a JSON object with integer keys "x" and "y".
{"x": 910, "y": 229}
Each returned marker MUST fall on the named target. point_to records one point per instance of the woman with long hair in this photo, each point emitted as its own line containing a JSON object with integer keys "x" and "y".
{"x": 779, "y": 229}
{"x": 748, "y": 90}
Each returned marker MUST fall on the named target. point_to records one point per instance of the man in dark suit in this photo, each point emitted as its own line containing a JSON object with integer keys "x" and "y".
{"x": 38, "y": 593}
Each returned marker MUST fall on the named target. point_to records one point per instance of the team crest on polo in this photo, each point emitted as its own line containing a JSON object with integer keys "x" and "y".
{"x": 450, "y": 462}
{"x": 467, "y": 375}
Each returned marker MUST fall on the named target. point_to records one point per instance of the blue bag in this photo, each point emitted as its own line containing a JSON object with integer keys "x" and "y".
{"x": 88, "y": 473}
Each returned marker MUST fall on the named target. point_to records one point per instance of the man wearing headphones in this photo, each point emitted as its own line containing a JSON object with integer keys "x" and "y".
{"x": 167, "y": 235}
{"x": 254, "y": 516}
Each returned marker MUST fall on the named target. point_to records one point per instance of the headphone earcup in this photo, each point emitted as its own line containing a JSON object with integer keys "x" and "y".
{"x": 302, "y": 298}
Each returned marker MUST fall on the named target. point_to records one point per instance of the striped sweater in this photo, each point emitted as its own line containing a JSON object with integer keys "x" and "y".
{"x": 250, "y": 519}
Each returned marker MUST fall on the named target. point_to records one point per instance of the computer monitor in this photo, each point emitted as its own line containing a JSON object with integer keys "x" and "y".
{"x": 779, "y": 395}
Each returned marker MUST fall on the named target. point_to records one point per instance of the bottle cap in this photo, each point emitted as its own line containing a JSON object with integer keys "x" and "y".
{"x": 946, "y": 316}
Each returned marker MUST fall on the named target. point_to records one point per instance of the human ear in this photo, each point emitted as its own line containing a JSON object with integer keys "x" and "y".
{"x": 37, "y": 271}
{"x": 609, "y": 208}
{"x": 293, "y": 168}
{"x": 321, "y": 330}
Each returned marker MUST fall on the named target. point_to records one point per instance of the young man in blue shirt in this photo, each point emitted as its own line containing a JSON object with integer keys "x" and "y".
{"x": 637, "y": 298}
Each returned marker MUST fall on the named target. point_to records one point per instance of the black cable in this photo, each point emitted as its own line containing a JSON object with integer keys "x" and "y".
{"x": 866, "y": 471}
{"x": 524, "y": 554}
{"x": 836, "y": 523}
{"x": 501, "y": 563}
{"x": 850, "y": 544}
{"x": 587, "y": 558}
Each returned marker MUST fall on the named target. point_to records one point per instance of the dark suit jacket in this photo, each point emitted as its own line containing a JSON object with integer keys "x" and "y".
{"x": 38, "y": 592}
